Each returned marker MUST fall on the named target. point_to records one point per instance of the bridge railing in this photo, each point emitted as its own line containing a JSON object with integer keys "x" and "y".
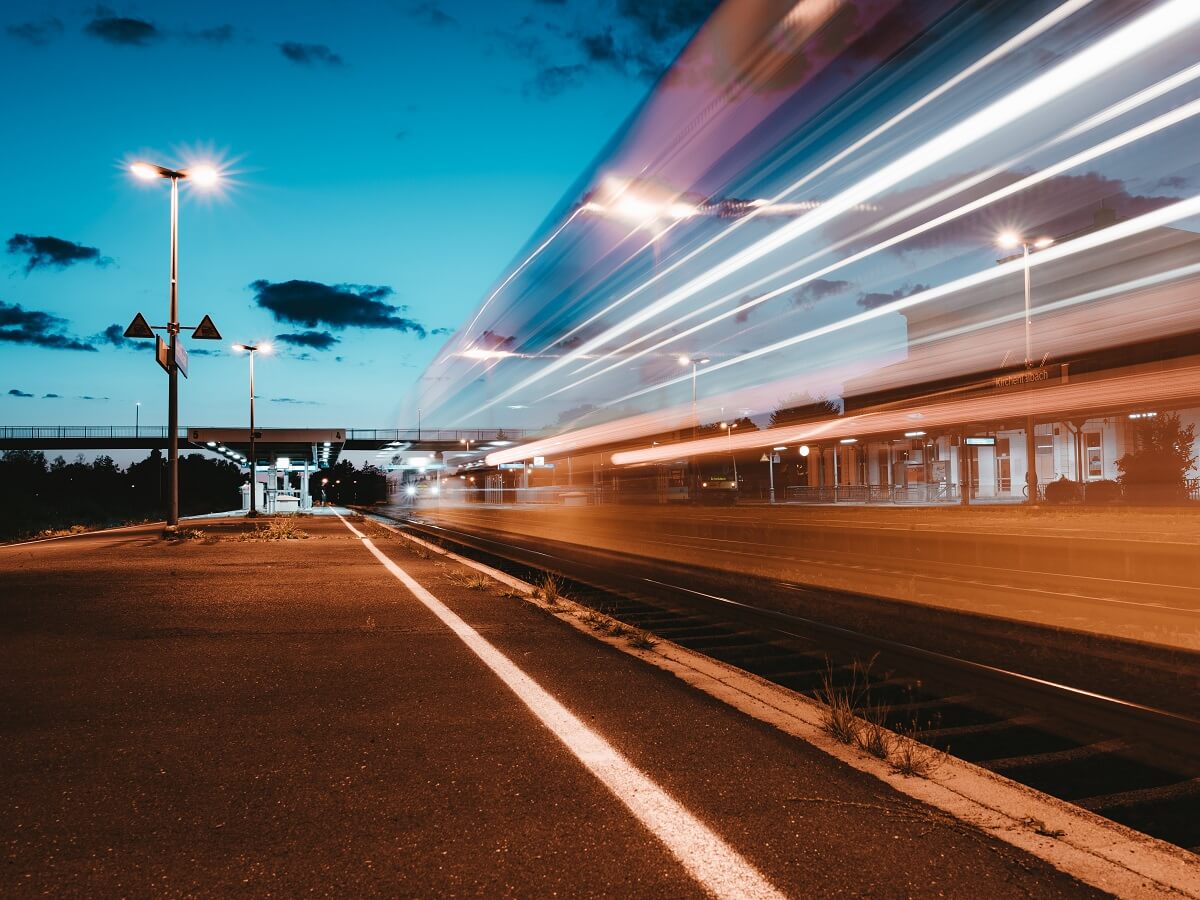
{"x": 84, "y": 432}
{"x": 438, "y": 435}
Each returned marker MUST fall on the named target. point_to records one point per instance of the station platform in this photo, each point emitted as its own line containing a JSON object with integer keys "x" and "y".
{"x": 342, "y": 714}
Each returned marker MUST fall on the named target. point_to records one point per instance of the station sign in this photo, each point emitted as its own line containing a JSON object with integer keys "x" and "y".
{"x": 1024, "y": 378}
{"x": 162, "y": 353}
{"x": 511, "y": 466}
{"x": 181, "y": 357}
{"x": 981, "y": 441}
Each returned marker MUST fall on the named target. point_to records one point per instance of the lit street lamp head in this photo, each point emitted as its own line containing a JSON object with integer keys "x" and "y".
{"x": 202, "y": 175}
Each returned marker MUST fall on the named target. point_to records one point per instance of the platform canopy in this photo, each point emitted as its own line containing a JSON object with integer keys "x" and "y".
{"x": 317, "y": 448}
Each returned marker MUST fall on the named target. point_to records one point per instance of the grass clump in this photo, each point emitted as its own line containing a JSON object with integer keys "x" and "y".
{"x": 473, "y": 581}
{"x": 844, "y": 702}
{"x": 186, "y": 534}
{"x": 642, "y": 640}
{"x": 910, "y": 757}
{"x": 274, "y": 530}
{"x": 873, "y": 736}
{"x": 550, "y": 589}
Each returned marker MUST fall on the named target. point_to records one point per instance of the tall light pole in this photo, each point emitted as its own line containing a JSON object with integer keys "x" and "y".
{"x": 729, "y": 426}
{"x": 137, "y": 419}
{"x": 203, "y": 175}
{"x": 1011, "y": 240}
{"x": 685, "y": 361}
{"x": 252, "y": 349}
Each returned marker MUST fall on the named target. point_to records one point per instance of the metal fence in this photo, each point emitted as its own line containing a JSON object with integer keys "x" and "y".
{"x": 435, "y": 435}
{"x": 84, "y": 432}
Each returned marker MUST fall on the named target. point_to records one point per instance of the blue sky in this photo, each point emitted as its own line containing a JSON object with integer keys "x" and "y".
{"x": 409, "y": 146}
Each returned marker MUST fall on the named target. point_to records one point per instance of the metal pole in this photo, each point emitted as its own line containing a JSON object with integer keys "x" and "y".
{"x": 771, "y": 473}
{"x": 253, "y": 454}
{"x": 1031, "y": 479}
{"x": 172, "y": 371}
{"x": 137, "y": 420}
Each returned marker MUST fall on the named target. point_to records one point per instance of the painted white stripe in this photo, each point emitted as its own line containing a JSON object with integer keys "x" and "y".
{"x": 717, "y": 867}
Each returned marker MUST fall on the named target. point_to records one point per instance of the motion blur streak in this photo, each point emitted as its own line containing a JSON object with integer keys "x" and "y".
{"x": 1164, "y": 121}
{"x": 1157, "y": 219}
{"x": 1007, "y": 48}
{"x": 1091, "y": 63}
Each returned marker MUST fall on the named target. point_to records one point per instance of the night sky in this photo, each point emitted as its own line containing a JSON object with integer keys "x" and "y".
{"x": 384, "y": 162}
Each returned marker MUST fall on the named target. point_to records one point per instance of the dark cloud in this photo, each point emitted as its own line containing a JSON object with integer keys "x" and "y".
{"x": 294, "y": 401}
{"x": 311, "y": 303}
{"x": 664, "y": 19}
{"x": 318, "y": 340}
{"x": 310, "y": 54}
{"x": 875, "y": 300}
{"x": 549, "y": 81}
{"x": 13, "y": 392}
{"x": 1172, "y": 183}
{"x": 36, "y": 33}
{"x": 200, "y": 351}
{"x": 442, "y": 330}
{"x": 123, "y": 31}
{"x": 86, "y": 397}
{"x": 51, "y": 396}
{"x": 115, "y": 335}
{"x": 817, "y": 290}
{"x": 743, "y": 314}
{"x": 41, "y": 329}
{"x": 50, "y": 252}
{"x": 402, "y": 134}
{"x": 431, "y": 13}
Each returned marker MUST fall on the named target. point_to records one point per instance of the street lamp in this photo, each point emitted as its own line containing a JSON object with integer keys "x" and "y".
{"x": 137, "y": 419}
{"x": 252, "y": 349}
{"x": 1011, "y": 240}
{"x": 203, "y": 176}
{"x": 685, "y": 361}
{"x": 729, "y": 426}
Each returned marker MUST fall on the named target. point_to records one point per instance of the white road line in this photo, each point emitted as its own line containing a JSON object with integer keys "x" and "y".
{"x": 718, "y": 868}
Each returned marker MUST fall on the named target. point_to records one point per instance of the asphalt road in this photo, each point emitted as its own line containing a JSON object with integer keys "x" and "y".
{"x": 217, "y": 716}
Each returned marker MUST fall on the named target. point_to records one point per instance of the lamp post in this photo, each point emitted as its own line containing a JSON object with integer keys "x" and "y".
{"x": 729, "y": 426}
{"x": 1011, "y": 240}
{"x": 252, "y": 349}
{"x": 137, "y": 419}
{"x": 203, "y": 175}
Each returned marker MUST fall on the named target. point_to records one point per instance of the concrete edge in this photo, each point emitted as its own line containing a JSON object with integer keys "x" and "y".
{"x": 1092, "y": 849}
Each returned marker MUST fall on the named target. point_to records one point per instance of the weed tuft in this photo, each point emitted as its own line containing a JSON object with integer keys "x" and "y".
{"x": 473, "y": 581}
{"x": 909, "y": 757}
{"x": 550, "y": 589}
{"x": 872, "y": 736}
{"x": 843, "y": 702}
{"x": 642, "y": 640}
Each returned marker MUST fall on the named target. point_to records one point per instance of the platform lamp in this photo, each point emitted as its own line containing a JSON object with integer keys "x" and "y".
{"x": 1010, "y": 240}
{"x": 203, "y": 176}
{"x": 252, "y": 349}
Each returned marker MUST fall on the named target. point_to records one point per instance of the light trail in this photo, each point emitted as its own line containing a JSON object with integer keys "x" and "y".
{"x": 632, "y": 427}
{"x": 1108, "y": 53}
{"x": 1163, "y": 216}
{"x": 1035, "y": 30}
{"x": 1117, "y": 142}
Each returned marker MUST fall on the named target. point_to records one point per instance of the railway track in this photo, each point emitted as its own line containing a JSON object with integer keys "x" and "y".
{"x": 1129, "y": 761}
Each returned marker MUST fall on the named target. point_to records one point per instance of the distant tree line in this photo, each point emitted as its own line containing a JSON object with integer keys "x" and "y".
{"x": 343, "y": 484}
{"x": 39, "y": 495}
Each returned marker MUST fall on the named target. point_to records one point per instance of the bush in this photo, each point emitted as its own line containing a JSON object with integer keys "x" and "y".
{"x": 1063, "y": 491}
{"x": 1156, "y": 472}
{"x": 1102, "y": 492}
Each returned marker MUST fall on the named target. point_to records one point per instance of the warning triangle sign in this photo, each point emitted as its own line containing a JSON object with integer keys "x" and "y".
{"x": 139, "y": 328}
{"x": 206, "y": 330}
